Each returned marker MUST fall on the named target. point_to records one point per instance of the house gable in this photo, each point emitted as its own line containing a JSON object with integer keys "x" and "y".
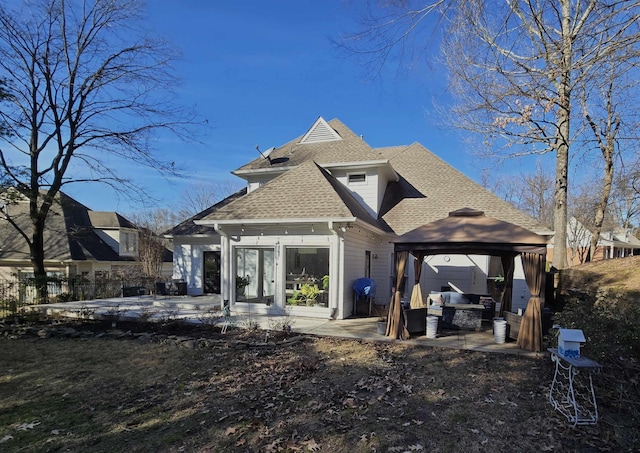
{"x": 320, "y": 132}
{"x": 332, "y": 145}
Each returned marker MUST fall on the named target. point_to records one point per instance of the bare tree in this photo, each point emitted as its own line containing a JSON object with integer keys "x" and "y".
{"x": 151, "y": 253}
{"x": 201, "y": 196}
{"x": 578, "y": 241}
{"x": 610, "y": 111}
{"x": 86, "y": 87}
{"x": 152, "y": 247}
{"x": 625, "y": 205}
{"x": 531, "y": 193}
{"x": 537, "y": 196}
{"x": 513, "y": 67}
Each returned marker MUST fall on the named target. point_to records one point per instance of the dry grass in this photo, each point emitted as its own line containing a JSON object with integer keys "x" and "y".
{"x": 320, "y": 394}
{"x": 618, "y": 275}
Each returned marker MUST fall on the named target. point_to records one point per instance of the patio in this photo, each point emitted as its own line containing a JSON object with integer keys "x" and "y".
{"x": 192, "y": 309}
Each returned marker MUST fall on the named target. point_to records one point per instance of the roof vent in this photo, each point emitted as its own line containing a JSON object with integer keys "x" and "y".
{"x": 320, "y": 132}
{"x": 466, "y": 212}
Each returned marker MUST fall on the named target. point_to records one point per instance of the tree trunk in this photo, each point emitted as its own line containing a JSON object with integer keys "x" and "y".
{"x": 562, "y": 142}
{"x": 37, "y": 258}
{"x": 604, "y": 195}
{"x": 560, "y": 208}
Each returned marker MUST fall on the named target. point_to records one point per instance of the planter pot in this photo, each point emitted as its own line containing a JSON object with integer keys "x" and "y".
{"x": 382, "y": 327}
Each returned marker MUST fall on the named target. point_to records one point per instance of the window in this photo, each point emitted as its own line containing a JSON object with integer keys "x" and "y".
{"x": 357, "y": 178}
{"x": 367, "y": 263}
{"x": 307, "y": 272}
{"x": 255, "y": 275}
{"x": 129, "y": 243}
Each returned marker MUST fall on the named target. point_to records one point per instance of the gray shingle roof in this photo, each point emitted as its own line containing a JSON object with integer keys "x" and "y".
{"x": 305, "y": 192}
{"x": 104, "y": 219}
{"x": 69, "y": 233}
{"x": 188, "y": 227}
{"x": 429, "y": 188}
{"x": 351, "y": 148}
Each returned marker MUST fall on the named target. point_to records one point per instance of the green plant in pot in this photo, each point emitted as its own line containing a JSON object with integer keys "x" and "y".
{"x": 241, "y": 284}
{"x": 309, "y": 293}
{"x": 325, "y": 282}
{"x": 295, "y": 298}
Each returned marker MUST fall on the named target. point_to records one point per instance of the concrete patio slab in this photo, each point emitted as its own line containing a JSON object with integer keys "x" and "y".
{"x": 196, "y": 309}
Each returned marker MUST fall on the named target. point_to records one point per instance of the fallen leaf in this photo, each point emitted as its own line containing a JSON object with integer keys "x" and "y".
{"x": 312, "y": 445}
{"x": 230, "y": 430}
{"x": 5, "y": 439}
{"x": 26, "y": 426}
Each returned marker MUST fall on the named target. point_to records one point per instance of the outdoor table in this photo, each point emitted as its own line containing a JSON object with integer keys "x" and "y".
{"x": 572, "y": 392}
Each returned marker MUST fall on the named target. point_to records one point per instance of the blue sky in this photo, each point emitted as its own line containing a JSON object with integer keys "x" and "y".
{"x": 261, "y": 72}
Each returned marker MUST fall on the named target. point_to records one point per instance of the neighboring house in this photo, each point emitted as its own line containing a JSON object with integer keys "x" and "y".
{"x": 618, "y": 243}
{"x": 320, "y": 211}
{"x": 78, "y": 242}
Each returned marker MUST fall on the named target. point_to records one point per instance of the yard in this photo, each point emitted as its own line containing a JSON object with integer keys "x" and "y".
{"x": 93, "y": 389}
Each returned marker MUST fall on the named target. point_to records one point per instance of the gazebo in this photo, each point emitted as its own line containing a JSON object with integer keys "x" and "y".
{"x": 469, "y": 231}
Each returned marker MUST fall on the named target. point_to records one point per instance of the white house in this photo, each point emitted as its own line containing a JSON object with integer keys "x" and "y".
{"x": 320, "y": 211}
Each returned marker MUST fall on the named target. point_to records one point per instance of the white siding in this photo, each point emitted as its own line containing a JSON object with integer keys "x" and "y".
{"x": 188, "y": 260}
{"x": 368, "y": 192}
{"x": 355, "y": 245}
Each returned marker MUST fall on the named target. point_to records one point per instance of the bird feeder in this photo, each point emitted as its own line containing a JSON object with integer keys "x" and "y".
{"x": 569, "y": 343}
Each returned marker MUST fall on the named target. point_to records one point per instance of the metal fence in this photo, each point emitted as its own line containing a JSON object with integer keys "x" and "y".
{"x": 16, "y": 293}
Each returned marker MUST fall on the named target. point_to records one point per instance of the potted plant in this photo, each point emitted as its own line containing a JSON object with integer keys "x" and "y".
{"x": 325, "y": 282}
{"x": 310, "y": 293}
{"x": 241, "y": 284}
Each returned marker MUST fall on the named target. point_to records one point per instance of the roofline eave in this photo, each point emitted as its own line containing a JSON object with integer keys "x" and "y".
{"x": 289, "y": 221}
{"x": 292, "y": 221}
{"x": 262, "y": 171}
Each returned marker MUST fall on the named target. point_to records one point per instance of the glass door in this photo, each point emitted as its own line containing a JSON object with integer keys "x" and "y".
{"x": 211, "y": 270}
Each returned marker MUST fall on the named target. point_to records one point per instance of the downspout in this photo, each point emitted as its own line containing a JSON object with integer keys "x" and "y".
{"x": 226, "y": 266}
{"x": 337, "y": 310}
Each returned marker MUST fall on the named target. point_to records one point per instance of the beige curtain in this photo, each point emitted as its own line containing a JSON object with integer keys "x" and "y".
{"x": 416, "y": 294}
{"x": 530, "y": 334}
{"x": 508, "y": 266}
{"x": 396, "y": 328}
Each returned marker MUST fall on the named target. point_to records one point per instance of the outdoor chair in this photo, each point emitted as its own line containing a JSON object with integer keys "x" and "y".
{"x": 161, "y": 289}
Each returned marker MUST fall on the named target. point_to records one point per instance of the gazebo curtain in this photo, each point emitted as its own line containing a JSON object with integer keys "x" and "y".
{"x": 416, "y": 294}
{"x": 396, "y": 328}
{"x": 530, "y": 334}
{"x": 508, "y": 266}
